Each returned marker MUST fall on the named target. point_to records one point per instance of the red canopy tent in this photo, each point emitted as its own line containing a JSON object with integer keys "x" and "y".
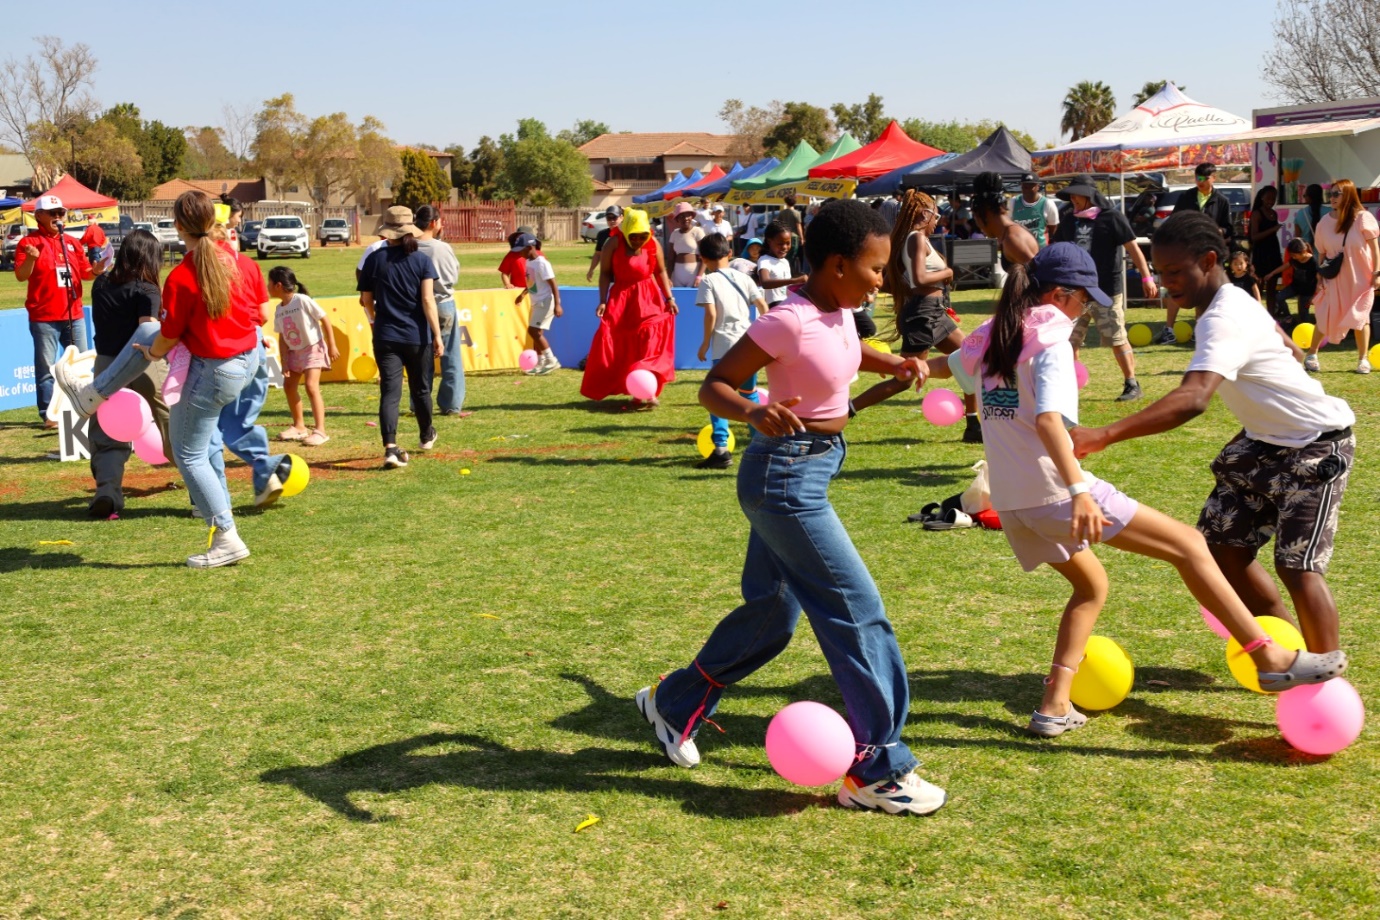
{"x": 77, "y": 197}
{"x": 713, "y": 175}
{"x": 891, "y": 150}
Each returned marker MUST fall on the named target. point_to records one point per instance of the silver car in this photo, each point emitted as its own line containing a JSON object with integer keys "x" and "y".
{"x": 334, "y": 229}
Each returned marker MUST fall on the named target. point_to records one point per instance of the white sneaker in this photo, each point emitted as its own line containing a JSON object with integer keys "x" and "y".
{"x": 427, "y": 443}
{"x": 681, "y": 753}
{"x": 908, "y": 795}
{"x": 548, "y": 364}
{"x": 81, "y": 394}
{"x": 1363, "y": 367}
{"x": 273, "y": 489}
{"x": 1310, "y": 363}
{"x": 226, "y": 549}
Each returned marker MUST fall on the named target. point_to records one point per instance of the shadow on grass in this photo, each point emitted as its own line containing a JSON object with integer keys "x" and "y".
{"x": 478, "y": 763}
{"x": 72, "y": 509}
{"x": 15, "y": 559}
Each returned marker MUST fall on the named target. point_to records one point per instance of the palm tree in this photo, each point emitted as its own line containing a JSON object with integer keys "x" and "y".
{"x": 1149, "y": 89}
{"x": 1088, "y": 107}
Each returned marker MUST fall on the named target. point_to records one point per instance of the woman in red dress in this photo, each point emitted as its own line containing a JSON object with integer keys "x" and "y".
{"x": 638, "y": 327}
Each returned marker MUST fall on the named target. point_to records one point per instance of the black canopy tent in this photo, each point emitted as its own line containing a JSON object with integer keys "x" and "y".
{"x": 1001, "y": 153}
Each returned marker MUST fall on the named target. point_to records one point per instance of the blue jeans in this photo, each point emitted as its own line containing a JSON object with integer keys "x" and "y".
{"x": 193, "y": 426}
{"x": 450, "y": 395}
{"x": 128, "y": 365}
{"x": 239, "y": 430}
{"x": 719, "y": 426}
{"x": 798, "y": 556}
{"x": 50, "y": 338}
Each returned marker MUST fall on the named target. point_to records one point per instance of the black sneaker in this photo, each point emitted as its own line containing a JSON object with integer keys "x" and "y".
{"x": 718, "y": 459}
{"x": 1130, "y": 391}
{"x": 972, "y": 431}
{"x": 394, "y": 457}
{"x": 1166, "y": 337}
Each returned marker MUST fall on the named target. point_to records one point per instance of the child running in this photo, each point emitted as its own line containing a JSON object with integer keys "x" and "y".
{"x": 798, "y": 554}
{"x": 546, "y": 303}
{"x": 727, "y": 296}
{"x": 306, "y": 347}
{"x": 1051, "y": 510}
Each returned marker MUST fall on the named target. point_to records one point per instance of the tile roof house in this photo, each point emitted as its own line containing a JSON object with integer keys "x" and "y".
{"x": 246, "y": 191}
{"x": 624, "y": 165}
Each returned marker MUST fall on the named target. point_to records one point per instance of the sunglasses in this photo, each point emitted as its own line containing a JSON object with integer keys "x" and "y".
{"x": 1334, "y": 194}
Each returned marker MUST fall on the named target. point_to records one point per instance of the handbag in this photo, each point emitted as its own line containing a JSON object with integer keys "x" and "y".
{"x": 1331, "y": 267}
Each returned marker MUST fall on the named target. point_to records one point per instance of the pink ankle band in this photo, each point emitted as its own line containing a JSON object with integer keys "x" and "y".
{"x": 1254, "y": 644}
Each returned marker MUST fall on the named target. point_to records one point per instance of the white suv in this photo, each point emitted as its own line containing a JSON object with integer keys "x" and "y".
{"x": 283, "y": 234}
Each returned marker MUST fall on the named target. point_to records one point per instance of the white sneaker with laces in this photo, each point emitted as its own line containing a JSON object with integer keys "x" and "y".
{"x": 909, "y": 795}
{"x": 81, "y": 394}
{"x": 681, "y": 753}
{"x": 226, "y": 548}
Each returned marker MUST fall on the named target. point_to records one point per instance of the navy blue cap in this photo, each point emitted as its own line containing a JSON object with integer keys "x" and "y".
{"x": 523, "y": 241}
{"x": 1066, "y": 265}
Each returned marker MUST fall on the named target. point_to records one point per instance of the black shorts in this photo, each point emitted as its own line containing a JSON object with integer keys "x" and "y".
{"x": 1292, "y": 494}
{"x": 924, "y": 322}
{"x": 867, "y": 326}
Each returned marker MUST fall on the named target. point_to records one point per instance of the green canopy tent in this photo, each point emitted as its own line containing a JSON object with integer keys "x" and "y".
{"x": 793, "y": 176}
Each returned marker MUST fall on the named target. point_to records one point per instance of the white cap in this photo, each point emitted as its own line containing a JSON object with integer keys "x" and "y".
{"x": 49, "y": 203}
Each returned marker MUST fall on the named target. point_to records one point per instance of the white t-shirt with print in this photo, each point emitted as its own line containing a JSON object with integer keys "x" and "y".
{"x": 298, "y": 322}
{"x": 770, "y": 268}
{"x": 1267, "y": 390}
{"x": 1020, "y": 470}
{"x": 541, "y": 278}
{"x": 732, "y": 293}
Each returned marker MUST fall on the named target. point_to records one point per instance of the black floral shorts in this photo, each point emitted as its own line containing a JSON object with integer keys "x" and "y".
{"x": 1292, "y": 494}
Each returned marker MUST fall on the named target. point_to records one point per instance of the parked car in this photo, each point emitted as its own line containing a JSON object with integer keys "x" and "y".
{"x": 334, "y": 229}
{"x": 594, "y": 222}
{"x": 166, "y": 231}
{"x": 9, "y": 244}
{"x": 1238, "y": 194}
{"x": 114, "y": 234}
{"x": 285, "y": 235}
{"x": 249, "y": 234}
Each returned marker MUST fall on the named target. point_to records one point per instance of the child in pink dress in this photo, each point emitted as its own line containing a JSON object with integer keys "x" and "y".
{"x": 306, "y": 347}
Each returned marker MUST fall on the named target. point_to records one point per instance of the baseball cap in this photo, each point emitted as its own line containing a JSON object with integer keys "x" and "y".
{"x": 1030, "y": 179}
{"x": 1067, "y": 265}
{"x": 523, "y": 241}
{"x": 613, "y": 210}
{"x": 49, "y": 203}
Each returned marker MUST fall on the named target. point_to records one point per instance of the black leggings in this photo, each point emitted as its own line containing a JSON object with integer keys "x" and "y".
{"x": 392, "y": 357}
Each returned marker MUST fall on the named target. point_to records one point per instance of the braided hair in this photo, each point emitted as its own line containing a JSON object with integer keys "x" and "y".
{"x": 1197, "y": 233}
{"x": 913, "y": 204}
{"x": 989, "y": 198}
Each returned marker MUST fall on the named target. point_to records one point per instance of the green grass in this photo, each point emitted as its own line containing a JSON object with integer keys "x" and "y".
{"x": 407, "y": 699}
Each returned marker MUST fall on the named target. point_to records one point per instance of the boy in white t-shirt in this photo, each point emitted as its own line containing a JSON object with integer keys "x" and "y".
{"x": 1284, "y": 475}
{"x": 546, "y": 305}
{"x": 727, "y": 296}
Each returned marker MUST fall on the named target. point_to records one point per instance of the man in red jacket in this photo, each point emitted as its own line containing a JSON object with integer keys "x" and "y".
{"x": 54, "y": 266}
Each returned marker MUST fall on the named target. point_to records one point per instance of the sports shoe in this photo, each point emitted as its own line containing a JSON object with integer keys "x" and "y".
{"x": 909, "y": 795}
{"x": 427, "y": 443}
{"x": 394, "y": 457}
{"x": 1363, "y": 366}
{"x": 1166, "y": 337}
{"x": 273, "y": 489}
{"x": 681, "y": 753}
{"x": 226, "y": 549}
{"x": 1054, "y": 726}
{"x": 548, "y": 364}
{"x": 972, "y": 430}
{"x": 1310, "y": 363}
{"x": 1130, "y": 391}
{"x": 718, "y": 459}
{"x": 83, "y": 396}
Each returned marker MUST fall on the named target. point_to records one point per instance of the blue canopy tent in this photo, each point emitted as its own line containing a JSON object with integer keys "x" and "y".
{"x": 680, "y": 181}
{"x": 723, "y": 185}
{"x": 890, "y": 183}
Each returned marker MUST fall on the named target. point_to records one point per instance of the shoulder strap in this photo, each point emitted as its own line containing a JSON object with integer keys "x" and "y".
{"x": 729, "y": 279}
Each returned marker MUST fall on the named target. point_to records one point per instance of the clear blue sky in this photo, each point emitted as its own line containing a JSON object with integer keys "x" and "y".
{"x": 456, "y": 71}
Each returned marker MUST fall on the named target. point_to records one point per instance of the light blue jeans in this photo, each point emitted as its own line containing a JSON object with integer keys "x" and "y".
{"x": 236, "y": 429}
{"x": 799, "y": 556}
{"x": 50, "y": 338}
{"x": 193, "y": 425}
{"x": 450, "y": 395}
{"x": 719, "y": 426}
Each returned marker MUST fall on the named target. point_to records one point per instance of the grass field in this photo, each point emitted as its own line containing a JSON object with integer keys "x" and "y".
{"x": 420, "y": 684}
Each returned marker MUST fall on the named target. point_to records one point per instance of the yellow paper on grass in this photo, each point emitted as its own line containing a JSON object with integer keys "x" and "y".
{"x": 56, "y": 543}
{"x": 587, "y": 822}
{"x": 487, "y": 616}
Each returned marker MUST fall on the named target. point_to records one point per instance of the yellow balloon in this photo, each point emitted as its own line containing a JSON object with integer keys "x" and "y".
{"x": 1241, "y": 666}
{"x": 883, "y": 347}
{"x": 298, "y": 477}
{"x": 1104, "y": 677}
{"x": 1303, "y": 335}
{"x": 1183, "y": 331}
{"x": 705, "y": 441}
{"x": 1139, "y": 335}
{"x": 1375, "y": 354}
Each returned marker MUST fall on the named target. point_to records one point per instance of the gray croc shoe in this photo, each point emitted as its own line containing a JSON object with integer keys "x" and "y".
{"x": 1308, "y": 668}
{"x": 1054, "y": 726}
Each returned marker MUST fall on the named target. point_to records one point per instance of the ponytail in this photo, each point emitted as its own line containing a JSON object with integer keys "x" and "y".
{"x": 1007, "y": 336}
{"x": 281, "y": 274}
{"x": 215, "y": 268}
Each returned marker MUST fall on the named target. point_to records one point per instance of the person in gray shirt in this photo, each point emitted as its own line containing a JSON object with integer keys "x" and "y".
{"x": 450, "y": 395}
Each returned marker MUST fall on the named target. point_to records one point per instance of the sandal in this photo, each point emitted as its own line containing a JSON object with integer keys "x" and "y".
{"x": 1054, "y": 726}
{"x": 315, "y": 439}
{"x": 950, "y": 519}
{"x": 292, "y": 434}
{"x": 1308, "y": 668}
{"x": 926, "y": 514}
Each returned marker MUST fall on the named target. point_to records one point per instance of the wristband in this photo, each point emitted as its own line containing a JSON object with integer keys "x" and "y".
{"x": 1078, "y": 488}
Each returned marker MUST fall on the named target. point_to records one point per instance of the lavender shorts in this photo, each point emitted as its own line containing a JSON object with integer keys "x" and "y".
{"x": 1041, "y": 534}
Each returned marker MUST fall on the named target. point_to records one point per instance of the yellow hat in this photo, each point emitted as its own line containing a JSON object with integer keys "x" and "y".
{"x": 635, "y": 221}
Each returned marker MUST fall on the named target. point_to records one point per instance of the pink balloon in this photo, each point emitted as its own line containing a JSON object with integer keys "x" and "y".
{"x": 179, "y": 360}
{"x": 148, "y": 447}
{"x": 1213, "y": 623}
{"x": 809, "y": 744}
{"x": 641, "y": 384}
{"x": 1080, "y": 373}
{"x": 763, "y": 396}
{"x": 124, "y": 416}
{"x": 942, "y": 407}
{"x": 527, "y": 360}
{"x": 1322, "y": 718}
